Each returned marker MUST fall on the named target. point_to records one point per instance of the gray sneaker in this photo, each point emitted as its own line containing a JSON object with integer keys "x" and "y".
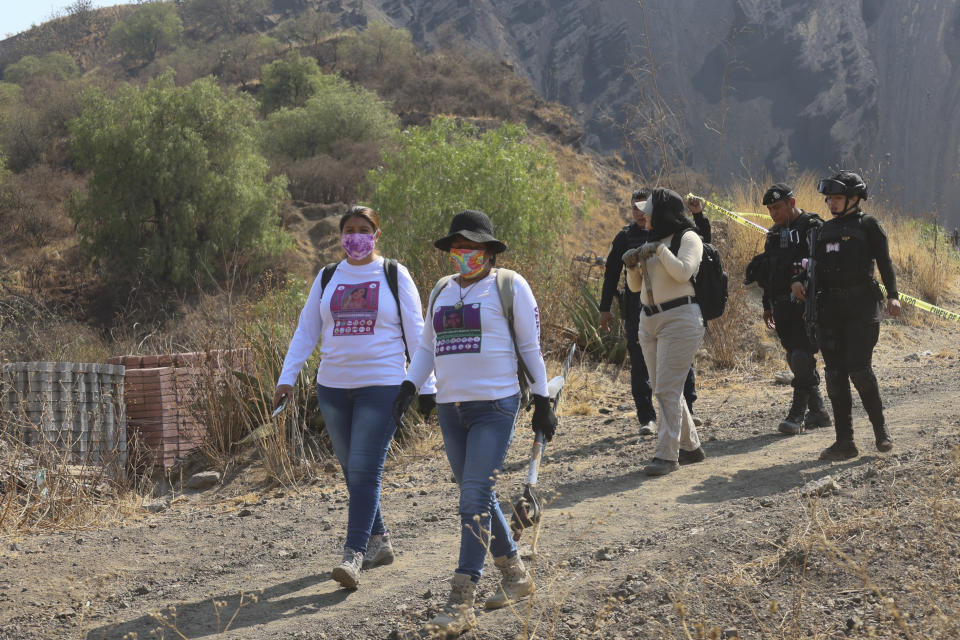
{"x": 648, "y": 429}
{"x": 347, "y": 573}
{"x": 379, "y": 551}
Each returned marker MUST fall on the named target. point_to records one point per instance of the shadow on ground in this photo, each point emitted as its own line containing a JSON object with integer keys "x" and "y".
{"x": 199, "y": 619}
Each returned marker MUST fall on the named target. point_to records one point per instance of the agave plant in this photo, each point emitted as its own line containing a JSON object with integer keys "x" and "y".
{"x": 605, "y": 346}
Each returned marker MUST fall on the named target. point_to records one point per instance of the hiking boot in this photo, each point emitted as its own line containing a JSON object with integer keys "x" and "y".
{"x": 692, "y": 457}
{"x": 648, "y": 429}
{"x": 660, "y": 467}
{"x": 840, "y": 450}
{"x": 791, "y": 425}
{"x": 515, "y": 583}
{"x": 884, "y": 443}
{"x": 818, "y": 416}
{"x": 347, "y": 573}
{"x": 457, "y": 615}
{"x": 379, "y": 551}
{"x": 817, "y": 419}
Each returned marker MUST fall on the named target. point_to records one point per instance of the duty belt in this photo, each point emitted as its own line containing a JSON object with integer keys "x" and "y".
{"x": 669, "y": 304}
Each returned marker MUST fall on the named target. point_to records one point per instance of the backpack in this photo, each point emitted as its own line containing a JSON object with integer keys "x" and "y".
{"x": 390, "y": 271}
{"x": 710, "y": 283}
{"x": 505, "y": 293}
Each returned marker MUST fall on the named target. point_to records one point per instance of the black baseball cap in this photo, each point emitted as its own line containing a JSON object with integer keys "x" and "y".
{"x": 776, "y": 193}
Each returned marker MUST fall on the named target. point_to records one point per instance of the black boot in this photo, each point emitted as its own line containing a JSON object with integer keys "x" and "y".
{"x": 866, "y": 384}
{"x": 817, "y": 416}
{"x": 793, "y": 423}
{"x": 838, "y": 389}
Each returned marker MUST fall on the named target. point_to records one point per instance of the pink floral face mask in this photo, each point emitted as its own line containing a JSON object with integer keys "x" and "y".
{"x": 469, "y": 262}
{"x": 358, "y": 245}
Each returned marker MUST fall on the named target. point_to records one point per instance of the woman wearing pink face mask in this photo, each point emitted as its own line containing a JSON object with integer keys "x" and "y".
{"x": 468, "y": 341}
{"x": 362, "y": 328}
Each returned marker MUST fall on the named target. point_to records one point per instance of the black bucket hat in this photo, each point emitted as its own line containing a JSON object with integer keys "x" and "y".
{"x": 474, "y": 226}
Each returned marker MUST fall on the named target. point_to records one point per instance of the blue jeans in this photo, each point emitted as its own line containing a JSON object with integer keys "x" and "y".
{"x": 361, "y": 427}
{"x": 476, "y": 436}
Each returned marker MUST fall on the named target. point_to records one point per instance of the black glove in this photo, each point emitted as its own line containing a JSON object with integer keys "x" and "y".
{"x": 426, "y": 403}
{"x": 402, "y": 402}
{"x": 544, "y": 420}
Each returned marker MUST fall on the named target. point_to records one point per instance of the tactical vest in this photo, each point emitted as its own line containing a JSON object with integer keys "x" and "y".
{"x": 844, "y": 259}
{"x": 786, "y": 247}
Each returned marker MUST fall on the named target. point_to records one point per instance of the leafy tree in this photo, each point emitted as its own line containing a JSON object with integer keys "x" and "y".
{"x": 53, "y": 66}
{"x": 442, "y": 169}
{"x": 378, "y": 49}
{"x": 338, "y": 112}
{"x": 224, "y": 17}
{"x": 152, "y": 27}
{"x": 177, "y": 189}
{"x": 289, "y": 82}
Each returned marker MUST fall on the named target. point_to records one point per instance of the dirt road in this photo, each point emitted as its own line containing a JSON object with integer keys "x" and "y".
{"x": 619, "y": 554}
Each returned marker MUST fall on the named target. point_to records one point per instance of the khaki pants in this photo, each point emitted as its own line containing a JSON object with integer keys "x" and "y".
{"x": 669, "y": 340}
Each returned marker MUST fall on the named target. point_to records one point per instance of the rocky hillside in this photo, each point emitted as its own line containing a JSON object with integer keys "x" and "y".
{"x": 738, "y": 87}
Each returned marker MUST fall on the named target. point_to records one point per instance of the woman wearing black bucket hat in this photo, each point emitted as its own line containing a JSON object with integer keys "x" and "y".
{"x": 478, "y": 397}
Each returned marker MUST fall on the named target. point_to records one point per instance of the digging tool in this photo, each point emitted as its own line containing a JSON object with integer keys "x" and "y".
{"x": 526, "y": 508}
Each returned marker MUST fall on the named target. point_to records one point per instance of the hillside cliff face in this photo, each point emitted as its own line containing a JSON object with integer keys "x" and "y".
{"x": 739, "y": 87}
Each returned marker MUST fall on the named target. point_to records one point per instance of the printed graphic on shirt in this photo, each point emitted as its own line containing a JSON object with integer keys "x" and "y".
{"x": 354, "y": 308}
{"x": 458, "y": 329}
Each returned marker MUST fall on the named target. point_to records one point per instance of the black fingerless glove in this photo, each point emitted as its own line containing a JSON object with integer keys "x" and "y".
{"x": 426, "y": 403}
{"x": 402, "y": 402}
{"x": 544, "y": 420}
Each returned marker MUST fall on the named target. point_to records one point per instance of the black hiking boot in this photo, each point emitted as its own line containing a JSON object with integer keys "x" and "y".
{"x": 793, "y": 423}
{"x": 817, "y": 416}
{"x": 840, "y": 450}
{"x": 882, "y": 436}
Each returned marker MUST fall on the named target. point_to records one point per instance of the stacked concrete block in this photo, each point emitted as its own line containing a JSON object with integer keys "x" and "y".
{"x": 76, "y": 408}
{"x": 164, "y": 394}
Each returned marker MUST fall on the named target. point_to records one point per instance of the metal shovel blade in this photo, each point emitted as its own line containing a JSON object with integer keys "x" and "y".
{"x": 526, "y": 511}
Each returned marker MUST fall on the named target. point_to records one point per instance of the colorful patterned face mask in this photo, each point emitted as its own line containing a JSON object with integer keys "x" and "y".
{"x": 470, "y": 262}
{"x": 358, "y": 245}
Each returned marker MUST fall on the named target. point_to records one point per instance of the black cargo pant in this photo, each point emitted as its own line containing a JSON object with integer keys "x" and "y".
{"x": 792, "y": 332}
{"x": 639, "y": 377}
{"x": 849, "y": 329}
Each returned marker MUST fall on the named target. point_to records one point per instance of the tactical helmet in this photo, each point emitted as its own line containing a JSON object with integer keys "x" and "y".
{"x": 776, "y": 193}
{"x": 844, "y": 183}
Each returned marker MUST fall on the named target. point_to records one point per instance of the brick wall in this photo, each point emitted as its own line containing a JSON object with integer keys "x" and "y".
{"x": 160, "y": 392}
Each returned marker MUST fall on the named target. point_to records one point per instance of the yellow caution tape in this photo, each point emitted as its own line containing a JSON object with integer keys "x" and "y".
{"x": 730, "y": 214}
{"x": 926, "y": 306}
{"x": 916, "y": 302}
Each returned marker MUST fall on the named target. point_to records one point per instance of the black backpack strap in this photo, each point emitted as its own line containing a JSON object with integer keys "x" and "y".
{"x": 326, "y": 275}
{"x": 390, "y": 270}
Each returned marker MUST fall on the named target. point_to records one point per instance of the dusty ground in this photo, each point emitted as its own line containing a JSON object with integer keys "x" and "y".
{"x": 725, "y": 547}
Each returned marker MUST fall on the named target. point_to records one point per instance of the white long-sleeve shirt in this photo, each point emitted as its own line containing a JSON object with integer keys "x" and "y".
{"x": 469, "y": 345}
{"x": 357, "y": 324}
{"x": 669, "y": 274}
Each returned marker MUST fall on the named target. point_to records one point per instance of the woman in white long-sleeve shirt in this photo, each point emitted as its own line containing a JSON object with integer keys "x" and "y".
{"x": 364, "y": 332}
{"x": 468, "y": 342}
{"x": 671, "y": 326}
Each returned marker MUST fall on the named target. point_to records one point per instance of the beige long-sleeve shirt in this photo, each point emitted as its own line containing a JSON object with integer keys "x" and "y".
{"x": 669, "y": 274}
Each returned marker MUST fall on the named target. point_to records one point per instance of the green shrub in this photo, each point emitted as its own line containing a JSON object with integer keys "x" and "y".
{"x": 338, "y": 112}
{"x": 152, "y": 27}
{"x": 442, "y": 169}
{"x": 177, "y": 190}
{"x": 289, "y": 82}
{"x": 53, "y": 66}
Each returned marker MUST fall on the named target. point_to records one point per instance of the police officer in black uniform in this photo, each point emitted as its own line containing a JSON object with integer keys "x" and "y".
{"x": 631, "y": 236}
{"x": 849, "y": 303}
{"x": 783, "y": 259}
